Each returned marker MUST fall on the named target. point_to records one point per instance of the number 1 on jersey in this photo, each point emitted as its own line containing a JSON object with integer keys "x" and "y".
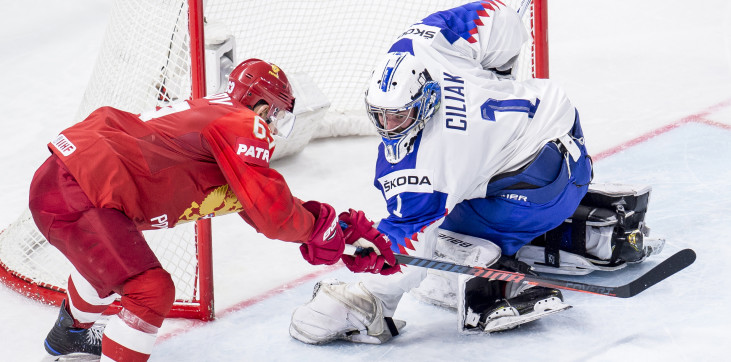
{"x": 397, "y": 211}
{"x": 488, "y": 109}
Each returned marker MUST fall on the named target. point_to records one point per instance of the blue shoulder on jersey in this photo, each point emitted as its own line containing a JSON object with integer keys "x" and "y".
{"x": 461, "y": 21}
{"x": 409, "y": 209}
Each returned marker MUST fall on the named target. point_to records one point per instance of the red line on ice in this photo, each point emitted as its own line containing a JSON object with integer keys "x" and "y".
{"x": 251, "y": 301}
{"x": 695, "y": 118}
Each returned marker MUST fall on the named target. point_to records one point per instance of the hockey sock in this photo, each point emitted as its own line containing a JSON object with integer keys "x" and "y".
{"x": 146, "y": 300}
{"x": 84, "y": 303}
{"x": 128, "y": 338}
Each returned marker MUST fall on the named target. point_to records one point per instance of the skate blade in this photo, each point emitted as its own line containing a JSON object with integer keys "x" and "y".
{"x": 541, "y": 309}
{"x": 651, "y": 247}
{"x": 654, "y": 246}
{"x": 73, "y": 357}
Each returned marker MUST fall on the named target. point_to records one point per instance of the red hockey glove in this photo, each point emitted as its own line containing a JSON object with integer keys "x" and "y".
{"x": 326, "y": 244}
{"x": 376, "y": 256}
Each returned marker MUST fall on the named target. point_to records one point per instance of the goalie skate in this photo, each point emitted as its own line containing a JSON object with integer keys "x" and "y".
{"x": 531, "y": 305}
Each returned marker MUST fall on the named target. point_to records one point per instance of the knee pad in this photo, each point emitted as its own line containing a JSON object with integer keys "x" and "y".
{"x": 149, "y": 295}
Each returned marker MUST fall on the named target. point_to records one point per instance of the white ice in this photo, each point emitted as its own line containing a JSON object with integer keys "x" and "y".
{"x": 652, "y": 82}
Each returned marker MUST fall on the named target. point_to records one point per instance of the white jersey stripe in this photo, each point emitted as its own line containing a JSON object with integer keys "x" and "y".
{"x": 118, "y": 331}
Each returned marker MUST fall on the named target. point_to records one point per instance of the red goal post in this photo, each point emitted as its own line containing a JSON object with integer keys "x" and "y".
{"x": 158, "y": 51}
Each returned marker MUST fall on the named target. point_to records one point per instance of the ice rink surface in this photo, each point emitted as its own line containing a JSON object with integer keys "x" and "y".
{"x": 652, "y": 82}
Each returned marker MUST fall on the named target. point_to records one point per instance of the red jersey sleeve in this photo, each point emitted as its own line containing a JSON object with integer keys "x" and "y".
{"x": 242, "y": 145}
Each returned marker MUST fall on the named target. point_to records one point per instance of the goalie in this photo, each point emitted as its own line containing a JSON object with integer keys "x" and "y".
{"x": 117, "y": 173}
{"x": 474, "y": 166}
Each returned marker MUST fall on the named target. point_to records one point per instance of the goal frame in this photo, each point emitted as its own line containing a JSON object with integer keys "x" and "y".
{"x": 202, "y": 307}
{"x": 540, "y": 39}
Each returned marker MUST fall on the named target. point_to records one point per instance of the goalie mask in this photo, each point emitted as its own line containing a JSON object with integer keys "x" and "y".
{"x": 254, "y": 82}
{"x": 400, "y": 99}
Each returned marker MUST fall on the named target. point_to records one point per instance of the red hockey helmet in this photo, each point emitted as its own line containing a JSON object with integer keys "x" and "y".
{"x": 255, "y": 80}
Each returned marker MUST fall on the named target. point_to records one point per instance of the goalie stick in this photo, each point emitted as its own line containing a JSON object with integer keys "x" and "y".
{"x": 660, "y": 272}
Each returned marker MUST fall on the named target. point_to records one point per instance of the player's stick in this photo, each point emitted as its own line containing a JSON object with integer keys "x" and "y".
{"x": 661, "y": 271}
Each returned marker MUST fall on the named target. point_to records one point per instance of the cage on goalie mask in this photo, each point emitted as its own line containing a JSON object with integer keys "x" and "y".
{"x": 254, "y": 80}
{"x": 400, "y": 99}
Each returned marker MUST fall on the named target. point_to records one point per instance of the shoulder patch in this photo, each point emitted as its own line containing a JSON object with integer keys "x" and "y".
{"x": 63, "y": 145}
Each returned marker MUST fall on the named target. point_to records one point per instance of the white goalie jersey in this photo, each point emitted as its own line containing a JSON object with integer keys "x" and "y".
{"x": 478, "y": 132}
{"x": 480, "y": 39}
{"x": 486, "y": 125}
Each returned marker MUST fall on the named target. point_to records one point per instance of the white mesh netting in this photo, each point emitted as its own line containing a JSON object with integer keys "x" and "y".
{"x": 28, "y": 255}
{"x": 144, "y": 62}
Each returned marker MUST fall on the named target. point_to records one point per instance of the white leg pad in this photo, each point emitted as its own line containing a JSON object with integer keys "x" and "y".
{"x": 441, "y": 288}
{"x": 571, "y": 264}
{"x": 341, "y": 311}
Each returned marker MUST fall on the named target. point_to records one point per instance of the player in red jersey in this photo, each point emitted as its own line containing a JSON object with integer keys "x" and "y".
{"x": 116, "y": 173}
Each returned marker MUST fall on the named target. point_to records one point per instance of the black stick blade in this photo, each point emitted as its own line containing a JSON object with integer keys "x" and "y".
{"x": 660, "y": 272}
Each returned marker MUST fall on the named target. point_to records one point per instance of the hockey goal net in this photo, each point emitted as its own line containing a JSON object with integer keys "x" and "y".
{"x": 155, "y": 52}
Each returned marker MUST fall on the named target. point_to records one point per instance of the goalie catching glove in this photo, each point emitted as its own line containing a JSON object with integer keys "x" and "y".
{"x": 376, "y": 256}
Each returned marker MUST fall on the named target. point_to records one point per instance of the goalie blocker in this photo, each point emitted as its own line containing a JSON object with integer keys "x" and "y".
{"x": 606, "y": 232}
